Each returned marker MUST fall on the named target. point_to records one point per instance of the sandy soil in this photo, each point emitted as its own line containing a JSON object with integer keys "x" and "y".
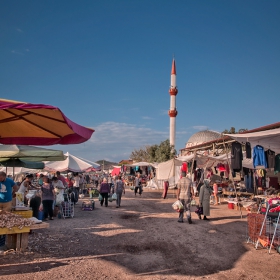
{"x": 142, "y": 240}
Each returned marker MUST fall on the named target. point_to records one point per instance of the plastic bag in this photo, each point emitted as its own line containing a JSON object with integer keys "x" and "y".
{"x": 100, "y": 197}
{"x": 193, "y": 202}
{"x": 178, "y": 206}
{"x": 114, "y": 196}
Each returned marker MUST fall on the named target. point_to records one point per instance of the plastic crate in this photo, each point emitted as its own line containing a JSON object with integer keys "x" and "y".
{"x": 24, "y": 214}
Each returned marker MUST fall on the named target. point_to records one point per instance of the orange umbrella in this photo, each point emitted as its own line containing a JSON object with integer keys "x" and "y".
{"x": 38, "y": 124}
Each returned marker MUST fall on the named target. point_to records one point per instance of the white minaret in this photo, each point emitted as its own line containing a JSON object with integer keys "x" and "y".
{"x": 173, "y": 112}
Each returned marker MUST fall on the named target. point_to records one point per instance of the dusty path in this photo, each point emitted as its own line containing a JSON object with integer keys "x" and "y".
{"x": 142, "y": 240}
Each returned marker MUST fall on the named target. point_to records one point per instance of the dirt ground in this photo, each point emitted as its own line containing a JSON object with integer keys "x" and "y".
{"x": 142, "y": 240}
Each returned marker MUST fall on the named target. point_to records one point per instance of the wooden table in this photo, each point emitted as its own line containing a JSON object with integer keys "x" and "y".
{"x": 17, "y": 239}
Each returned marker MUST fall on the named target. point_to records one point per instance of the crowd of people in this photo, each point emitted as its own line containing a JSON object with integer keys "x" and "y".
{"x": 51, "y": 190}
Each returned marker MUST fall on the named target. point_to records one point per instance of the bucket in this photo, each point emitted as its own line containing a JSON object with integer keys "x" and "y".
{"x": 41, "y": 215}
{"x": 230, "y": 205}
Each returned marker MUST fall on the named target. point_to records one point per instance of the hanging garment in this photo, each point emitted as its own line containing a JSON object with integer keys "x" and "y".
{"x": 189, "y": 166}
{"x": 236, "y": 156}
{"x": 270, "y": 158}
{"x": 259, "y": 156}
{"x": 248, "y": 150}
{"x": 277, "y": 164}
{"x": 199, "y": 173}
{"x": 221, "y": 167}
{"x": 194, "y": 175}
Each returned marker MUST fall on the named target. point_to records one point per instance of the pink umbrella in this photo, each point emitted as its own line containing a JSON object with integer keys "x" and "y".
{"x": 38, "y": 124}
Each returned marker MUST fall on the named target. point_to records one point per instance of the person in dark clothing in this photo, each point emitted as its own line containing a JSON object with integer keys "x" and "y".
{"x": 104, "y": 192}
{"x": 35, "y": 203}
{"x": 138, "y": 184}
{"x": 47, "y": 195}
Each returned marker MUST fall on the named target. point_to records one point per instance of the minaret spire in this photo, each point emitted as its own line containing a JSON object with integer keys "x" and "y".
{"x": 173, "y": 112}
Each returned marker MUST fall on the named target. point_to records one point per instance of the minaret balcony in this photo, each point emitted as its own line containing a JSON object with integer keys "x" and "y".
{"x": 173, "y": 91}
{"x": 172, "y": 113}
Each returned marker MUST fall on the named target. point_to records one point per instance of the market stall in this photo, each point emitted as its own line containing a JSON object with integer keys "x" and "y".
{"x": 263, "y": 148}
{"x": 17, "y": 228}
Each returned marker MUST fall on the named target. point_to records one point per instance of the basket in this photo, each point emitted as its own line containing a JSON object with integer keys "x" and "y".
{"x": 24, "y": 214}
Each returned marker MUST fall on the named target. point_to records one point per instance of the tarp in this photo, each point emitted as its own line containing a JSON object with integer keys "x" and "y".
{"x": 166, "y": 170}
{"x": 116, "y": 171}
{"x": 269, "y": 139}
{"x": 71, "y": 163}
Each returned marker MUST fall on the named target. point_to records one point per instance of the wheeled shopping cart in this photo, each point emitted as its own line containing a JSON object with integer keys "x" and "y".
{"x": 269, "y": 234}
{"x": 67, "y": 208}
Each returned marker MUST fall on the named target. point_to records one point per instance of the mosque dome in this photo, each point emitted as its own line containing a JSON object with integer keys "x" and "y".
{"x": 202, "y": 137}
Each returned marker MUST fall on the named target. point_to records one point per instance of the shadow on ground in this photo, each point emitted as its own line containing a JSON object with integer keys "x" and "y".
{"x": 142, "y": 236}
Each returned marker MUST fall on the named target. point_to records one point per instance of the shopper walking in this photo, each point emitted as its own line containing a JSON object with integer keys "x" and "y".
{"x": 215, "y": 193}
{"x": 138, "y": 184}
{"x": 120, "y": 189}
{"x": 204, "y": 198}
{"x": 165, "y": 189}
{"x": 184, "y": 194}
{"x": 104, "y": 192}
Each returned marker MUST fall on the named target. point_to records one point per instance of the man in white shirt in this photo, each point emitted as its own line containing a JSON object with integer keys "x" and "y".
{"x": 59, "y": 189}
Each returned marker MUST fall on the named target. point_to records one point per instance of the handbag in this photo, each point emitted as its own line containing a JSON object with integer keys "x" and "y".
{"x": 114, "y": 196}
{"x": 199, "y": 210}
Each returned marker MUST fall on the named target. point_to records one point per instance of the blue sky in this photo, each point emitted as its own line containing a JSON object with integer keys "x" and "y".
{"x": 106, "y": 65}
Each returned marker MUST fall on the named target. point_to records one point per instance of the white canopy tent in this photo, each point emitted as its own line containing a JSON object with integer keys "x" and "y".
{"x": 141, "y": 163}
{"x": 71, "y": 163}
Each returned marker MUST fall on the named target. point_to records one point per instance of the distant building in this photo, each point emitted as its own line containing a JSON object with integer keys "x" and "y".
{"x": 125, "y": 161}
{"x": 202, "y": 137}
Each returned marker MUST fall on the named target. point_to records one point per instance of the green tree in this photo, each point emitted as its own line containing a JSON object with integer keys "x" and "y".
{"x": 233, "y": 131}
{"x": 154, "y": 153}
{"x": 164, "y": 152}
{"x": 140, "y": 155}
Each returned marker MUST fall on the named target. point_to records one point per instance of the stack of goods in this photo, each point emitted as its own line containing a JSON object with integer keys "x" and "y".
{"x": 9, "y": 220}
{"x": 88, "y": 205}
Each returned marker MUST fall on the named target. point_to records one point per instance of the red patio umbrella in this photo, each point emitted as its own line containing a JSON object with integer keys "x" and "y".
{"x": 38, "y": 124}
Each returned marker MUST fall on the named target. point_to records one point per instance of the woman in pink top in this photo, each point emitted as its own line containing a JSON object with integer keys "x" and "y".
{"x": 215, "y": 192}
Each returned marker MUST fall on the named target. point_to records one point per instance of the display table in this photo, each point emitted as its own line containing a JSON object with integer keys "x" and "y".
{"x": 17, "y": 239}
{"x": 238, "y": 193}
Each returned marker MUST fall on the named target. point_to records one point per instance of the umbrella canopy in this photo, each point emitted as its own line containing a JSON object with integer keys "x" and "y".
{"x": 29, "y": 153}
{"x": 71, "y": 163}
{"x": 15, "y": 162}
{"x": 38, "y": 124}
